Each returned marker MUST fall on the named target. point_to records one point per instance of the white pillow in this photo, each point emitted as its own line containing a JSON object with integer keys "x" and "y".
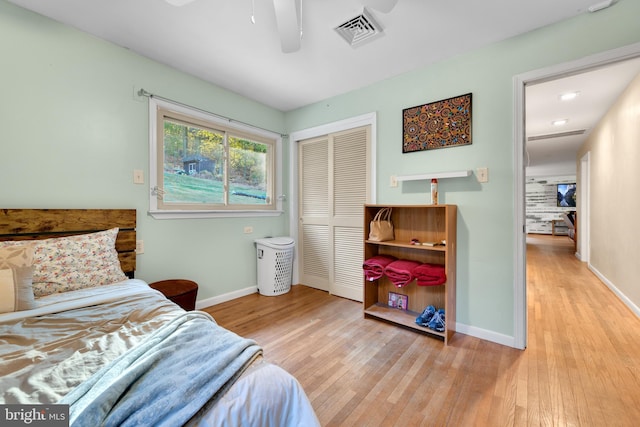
{"x": 15, "y": 254}
{"x": 16, "y": 271}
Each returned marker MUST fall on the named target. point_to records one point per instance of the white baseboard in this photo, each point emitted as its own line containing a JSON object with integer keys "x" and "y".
{"x": 486, "y": 335}
{"x": 616, "y": 291}
{"x": 510, "y": 342}
{"x": 200, "y": 304}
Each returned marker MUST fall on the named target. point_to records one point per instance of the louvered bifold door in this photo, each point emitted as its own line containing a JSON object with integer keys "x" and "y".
{"x": 334, "y": 183}
{"x": 313, "y": 228}
{"x": 350, "y": 189}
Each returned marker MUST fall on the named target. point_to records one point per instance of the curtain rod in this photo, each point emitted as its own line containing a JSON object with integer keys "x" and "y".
{"x": 143, "y": 92}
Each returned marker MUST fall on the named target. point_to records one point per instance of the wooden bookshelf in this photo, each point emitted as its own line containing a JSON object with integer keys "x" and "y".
{"x": 426, "y": 223}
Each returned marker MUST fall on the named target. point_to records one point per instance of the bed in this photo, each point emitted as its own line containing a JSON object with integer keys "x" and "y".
{"x": 77, "y": 329}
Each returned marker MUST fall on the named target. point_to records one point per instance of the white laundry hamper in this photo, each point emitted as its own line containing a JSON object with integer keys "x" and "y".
{"x": 274, "y": 256}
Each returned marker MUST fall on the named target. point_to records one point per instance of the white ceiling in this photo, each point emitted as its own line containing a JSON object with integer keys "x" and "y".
{"x": 598, "y": 90}
{"x": 216, "y": 41}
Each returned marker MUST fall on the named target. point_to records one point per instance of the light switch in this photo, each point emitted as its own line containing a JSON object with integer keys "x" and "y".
{"x": 482, "y": 174}
{"x": 138, "y": 176}
{"x": 393, "y": 181}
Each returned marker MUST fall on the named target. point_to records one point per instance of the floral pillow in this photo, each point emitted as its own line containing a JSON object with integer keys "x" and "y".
{"x": 68, "y": 263}
{"x": 16, "y": 292}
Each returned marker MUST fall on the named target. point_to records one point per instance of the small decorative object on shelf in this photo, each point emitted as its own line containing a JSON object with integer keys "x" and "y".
{"x": 398, "y": 301}
{"x": 434, "y": 191}
{"x": 440, "y": 243}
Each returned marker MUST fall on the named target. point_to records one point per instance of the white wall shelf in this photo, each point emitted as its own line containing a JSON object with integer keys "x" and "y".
{"x": 436, "y": 175}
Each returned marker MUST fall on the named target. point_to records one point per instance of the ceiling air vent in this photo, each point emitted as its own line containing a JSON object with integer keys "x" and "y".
{"x": 556, "y": 135}
{"x": 359, "y": 30}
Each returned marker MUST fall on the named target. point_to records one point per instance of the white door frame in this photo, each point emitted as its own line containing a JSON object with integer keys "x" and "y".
{"x": 520, "y": 244}
{"x": 584, "y": 239}
{"x": 294, "y": 138}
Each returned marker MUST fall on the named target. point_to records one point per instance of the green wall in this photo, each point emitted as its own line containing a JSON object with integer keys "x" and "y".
{"x": 72, "y": 132}
{"x": 486, "y": 222}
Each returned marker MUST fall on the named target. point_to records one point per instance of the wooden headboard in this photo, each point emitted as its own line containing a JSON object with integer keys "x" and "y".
{"x": 33, "y": 224}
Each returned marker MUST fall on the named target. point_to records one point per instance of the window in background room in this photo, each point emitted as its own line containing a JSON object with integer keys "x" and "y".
{"x": 205, "y": 165}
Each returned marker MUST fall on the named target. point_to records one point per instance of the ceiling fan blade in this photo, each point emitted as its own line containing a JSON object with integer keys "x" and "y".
{"x": 288, "y": 21}
{"x": 178, "y": 2}
{"x": 383, "y": 6}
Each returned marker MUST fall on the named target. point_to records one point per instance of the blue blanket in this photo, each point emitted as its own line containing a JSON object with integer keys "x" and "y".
{"x": 166, "y": 379}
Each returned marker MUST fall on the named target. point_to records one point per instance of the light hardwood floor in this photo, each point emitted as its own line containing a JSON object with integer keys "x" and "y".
{"x": 581, "y": 366}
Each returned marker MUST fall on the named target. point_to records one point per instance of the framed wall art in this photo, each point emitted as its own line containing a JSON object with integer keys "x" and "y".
{"x": 439, "y": 124}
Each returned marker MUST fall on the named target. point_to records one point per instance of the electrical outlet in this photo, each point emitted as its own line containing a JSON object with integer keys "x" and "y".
{"x": 393, "y": 182}
{"x": 248, "y": 229}
{"x": 139, "y": 247}
{"x": 482, "y": 174}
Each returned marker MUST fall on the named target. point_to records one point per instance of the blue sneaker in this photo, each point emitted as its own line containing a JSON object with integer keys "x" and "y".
{"x": 425, "y": 317}
{"x": 437, "y": 322}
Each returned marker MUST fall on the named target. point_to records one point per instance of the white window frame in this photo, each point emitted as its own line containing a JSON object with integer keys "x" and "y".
{"x": 154, "y": 147}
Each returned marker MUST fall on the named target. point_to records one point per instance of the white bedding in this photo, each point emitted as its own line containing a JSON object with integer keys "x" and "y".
{"x": 265, "y": 395}
{"x": 68, "y": 337}
{"x": 87, "y": 297}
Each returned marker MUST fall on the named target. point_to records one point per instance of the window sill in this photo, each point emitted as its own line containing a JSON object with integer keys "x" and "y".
{"x": 212, "y": 214}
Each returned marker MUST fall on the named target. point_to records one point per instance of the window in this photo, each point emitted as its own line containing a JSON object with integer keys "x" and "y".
{"x": 202, "y": 165}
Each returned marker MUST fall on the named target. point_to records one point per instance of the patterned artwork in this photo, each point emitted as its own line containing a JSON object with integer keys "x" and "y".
{"x": 440, "y": 124}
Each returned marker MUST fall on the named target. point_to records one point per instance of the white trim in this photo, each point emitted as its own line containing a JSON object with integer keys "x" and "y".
{"x": 229, "y": 296}
{"x": 199, "y": 114}
{"x": 538, "y": 76}
{"x": 219, "y": 299}
{"x": 583, "y": 64}
{"x": 615, "y": 290}
{"x": 156, "y": 213}
{"x": 485, "y": 334}
{"x": 520, "y": 237}
{"x": 295, "y": 137}
{"x": 194, "y": 214}
{"x": 584, "y": 239}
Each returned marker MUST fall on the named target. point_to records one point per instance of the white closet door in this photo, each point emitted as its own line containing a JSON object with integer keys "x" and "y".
{"x": 350, "y": 189}
{"x": 334, "y": 190}
{"x": 313, "y": 231}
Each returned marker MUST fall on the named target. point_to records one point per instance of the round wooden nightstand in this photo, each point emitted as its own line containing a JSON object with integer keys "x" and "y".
{"x": 182, "y": 292}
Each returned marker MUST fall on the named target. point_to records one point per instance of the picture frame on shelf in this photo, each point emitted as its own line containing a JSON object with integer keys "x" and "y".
{"x": 399, "y": 301}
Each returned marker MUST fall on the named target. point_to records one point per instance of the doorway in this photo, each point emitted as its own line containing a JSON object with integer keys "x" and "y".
{"x": 520, "y": 82}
